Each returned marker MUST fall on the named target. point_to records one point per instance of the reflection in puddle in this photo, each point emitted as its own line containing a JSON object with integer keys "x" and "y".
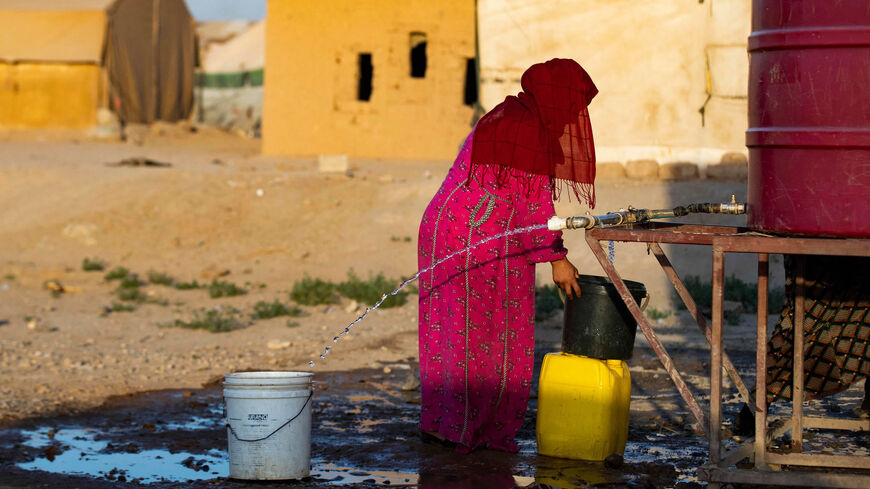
{"x": 195, "y": 423}
{"x": 83, "y": 455}
{"x": 84, "y": 451}
{"x": 347, "y": 475}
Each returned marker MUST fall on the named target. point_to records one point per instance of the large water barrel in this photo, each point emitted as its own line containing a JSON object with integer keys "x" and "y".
{"x": 809, "y": 117}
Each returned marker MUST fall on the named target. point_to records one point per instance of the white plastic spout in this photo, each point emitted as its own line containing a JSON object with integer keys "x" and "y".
{"x": 557, "y": 223}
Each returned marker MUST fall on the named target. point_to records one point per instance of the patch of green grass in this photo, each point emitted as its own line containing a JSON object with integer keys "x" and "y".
{"x": 219, "y": 288}
{"x": 371, "y": 290}
{"x": 130, "y": 294}
{"x": 396, "y": 239}
{"x": 9, "y": 277}
{"x": 160, "y": 278}
{"x": 268, "y": 310}
{"x": 292, "y": 324}
{"x": 117, "y": 273}
{"x": 655, "y": 314}
{"x": 743, "y": 292}
{"x": 701, "y": 292}
{"x": 312, "y": 292}
{"x": 93, "y": 265}
{"x": 547, "y": 301}
{"x": 215, "y": 320}
{"x": 121, "y": 307}
{"x": 189, "y": 285}
{"x": 130, "y": 281}
{"x": 746, "y": 293}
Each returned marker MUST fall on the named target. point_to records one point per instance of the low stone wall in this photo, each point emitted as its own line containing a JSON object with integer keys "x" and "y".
{"x": 731, "y": 167}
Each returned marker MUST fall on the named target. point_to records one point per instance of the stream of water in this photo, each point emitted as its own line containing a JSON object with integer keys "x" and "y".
{"x": 417, "y": 275}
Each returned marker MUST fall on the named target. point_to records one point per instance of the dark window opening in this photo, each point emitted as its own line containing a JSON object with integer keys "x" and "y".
{"x": 366, "y": 72}
{"x": 470, "y": 82}
{"x": 418, "y": 55}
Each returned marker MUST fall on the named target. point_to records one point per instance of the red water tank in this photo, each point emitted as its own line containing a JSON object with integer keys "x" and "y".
{"x": 809, "y": 117}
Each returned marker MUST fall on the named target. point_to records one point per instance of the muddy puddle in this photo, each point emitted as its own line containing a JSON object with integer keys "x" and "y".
{"x": 364, "y": 435}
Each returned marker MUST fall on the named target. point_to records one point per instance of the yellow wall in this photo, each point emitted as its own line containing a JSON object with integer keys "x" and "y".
{"x": 54, "y": 35}
{"x": 310, "y": 102}
{"x": 49, "y": 95}
{"x": 650, "y": 60}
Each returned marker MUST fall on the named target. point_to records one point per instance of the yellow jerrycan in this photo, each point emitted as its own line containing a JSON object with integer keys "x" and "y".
{"x": 583, "y": 406}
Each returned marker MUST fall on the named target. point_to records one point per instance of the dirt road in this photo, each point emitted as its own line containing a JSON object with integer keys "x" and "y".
{"x": 220, "y": 210}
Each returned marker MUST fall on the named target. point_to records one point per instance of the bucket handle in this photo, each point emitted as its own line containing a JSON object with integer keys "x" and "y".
{"x": 229, "y": 427}
{"x": 643, "y": 303}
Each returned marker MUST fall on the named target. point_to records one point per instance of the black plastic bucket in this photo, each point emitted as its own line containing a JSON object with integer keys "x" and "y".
{"x": 598, "y": 324}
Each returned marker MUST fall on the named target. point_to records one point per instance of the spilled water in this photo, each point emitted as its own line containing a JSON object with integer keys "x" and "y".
{"x": 401, "y": 286}
{"x": 84, "y": 454}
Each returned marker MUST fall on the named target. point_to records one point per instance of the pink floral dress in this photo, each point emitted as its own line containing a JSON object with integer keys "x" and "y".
{"x": 477, "y": 309}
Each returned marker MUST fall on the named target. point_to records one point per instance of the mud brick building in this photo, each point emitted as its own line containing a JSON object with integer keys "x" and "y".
{"x": 382, "y": 78}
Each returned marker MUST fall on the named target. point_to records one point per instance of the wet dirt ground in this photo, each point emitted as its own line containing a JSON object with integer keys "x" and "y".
{"x": 364, "y": 435}
{"x": 364, "y": 432}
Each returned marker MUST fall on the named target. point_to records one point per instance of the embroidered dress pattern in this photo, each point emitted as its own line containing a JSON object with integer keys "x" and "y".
{"x": 477, "y": 309}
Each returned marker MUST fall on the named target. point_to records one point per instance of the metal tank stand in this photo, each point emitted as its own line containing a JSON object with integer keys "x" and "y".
{"x": 765, "y": 466}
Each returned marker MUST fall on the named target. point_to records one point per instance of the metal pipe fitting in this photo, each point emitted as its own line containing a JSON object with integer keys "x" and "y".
{"x": 635, "y": 216}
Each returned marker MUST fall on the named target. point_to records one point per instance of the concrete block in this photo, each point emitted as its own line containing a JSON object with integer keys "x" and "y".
{"x": 333, "y": 164}
{"x": 678, "y": 171}
{"x": 733, "y": 159}
{"x": 642, "y": 170}
{"x": 727, "y": 172}
{"x": 609, "y": 171}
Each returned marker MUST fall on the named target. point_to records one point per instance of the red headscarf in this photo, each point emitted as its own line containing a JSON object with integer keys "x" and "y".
{"x": 543, "y": 131}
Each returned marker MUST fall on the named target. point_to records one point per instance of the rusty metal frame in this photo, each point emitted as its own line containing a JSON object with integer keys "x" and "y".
{"x": 767, "y": 464}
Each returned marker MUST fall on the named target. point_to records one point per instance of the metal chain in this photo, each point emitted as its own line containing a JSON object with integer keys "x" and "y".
{"x": 611, "y": 251}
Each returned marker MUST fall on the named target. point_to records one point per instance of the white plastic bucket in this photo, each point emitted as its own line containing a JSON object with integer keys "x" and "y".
{"x": 268, "y": 416}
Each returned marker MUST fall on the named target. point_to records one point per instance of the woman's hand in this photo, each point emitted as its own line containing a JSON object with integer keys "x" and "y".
{"x": 565, "y": 276}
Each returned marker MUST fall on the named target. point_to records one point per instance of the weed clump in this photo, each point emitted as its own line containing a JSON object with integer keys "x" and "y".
{"x": 130, "y": 294}
{"x": 370, "y": 291}
{"x": 312, "y": 292}
{"x": 121, "y": 307}
{"x": 117, "y": 273}
{"x": 656, "y": 314}
{"x": 189, "y": 285}
{"x": 547, "y": 301}
{"x": 746, "y": 293}
{"x": 268, "y": 310}
{"x": 93, "y": 265}
{"x": 130, "y": 281}
{"x": 128, "y": 289}
{"x": 160, "y": 278}
{"x": 219, "y": 288}
{"x": 215, "y": 320}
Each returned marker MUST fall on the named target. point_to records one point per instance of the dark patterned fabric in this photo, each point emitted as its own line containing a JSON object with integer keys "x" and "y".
{"x": 836, "y": 328}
